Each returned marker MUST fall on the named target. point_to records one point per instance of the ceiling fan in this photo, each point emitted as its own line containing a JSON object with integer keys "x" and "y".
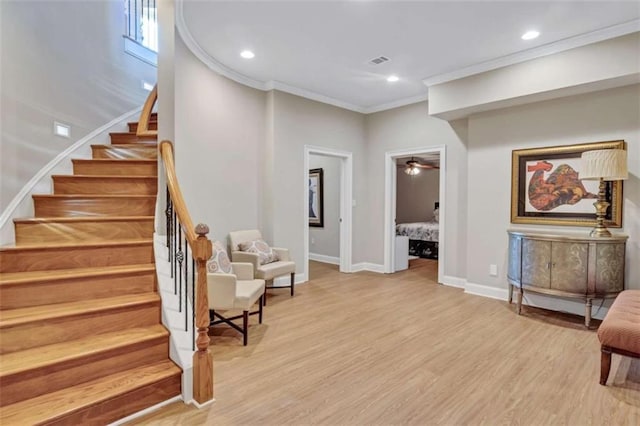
{"x": 413, "y": 167}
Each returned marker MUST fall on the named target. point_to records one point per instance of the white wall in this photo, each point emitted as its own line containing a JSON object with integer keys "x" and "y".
{"x": 326, "y": 240}
{"x": 416, "y": 195}
{"x": 412, "y": 127}
{"x": 61, "y": 61}
{"x": 299, "y": 122}
{"x": 240, "y": 153}
{"x": 601, "y": 116}
{"x": 219, "y": 130}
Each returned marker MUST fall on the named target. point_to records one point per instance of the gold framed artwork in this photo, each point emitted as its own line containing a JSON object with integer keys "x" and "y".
{"x": 546, "y": 188}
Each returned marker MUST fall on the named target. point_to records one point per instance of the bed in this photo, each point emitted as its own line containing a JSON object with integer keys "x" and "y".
{"x": 423, "y": 238}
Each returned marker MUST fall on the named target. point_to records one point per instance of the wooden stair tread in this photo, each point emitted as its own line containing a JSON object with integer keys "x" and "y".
{"x": 73, "y": 219}
{"x": 13, "y": 317}
{"x": 29, "y": 359}
{"x": 138, "y": 145}
{"x": 70, "y": 245}
{"x": 75, "y": 196}
{"x": 14, "y": 278}
{"x": 135, "y": 177}
{"x": 133, "y": 134}
{"x": 114, "y": 160}
{"x": 57, "y": 404}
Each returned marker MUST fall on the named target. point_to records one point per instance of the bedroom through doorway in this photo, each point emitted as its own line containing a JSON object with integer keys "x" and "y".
{"x": 414, "y": 209}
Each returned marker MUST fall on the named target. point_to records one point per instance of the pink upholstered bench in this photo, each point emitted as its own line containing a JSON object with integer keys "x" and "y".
{"x": 620, "y": 331}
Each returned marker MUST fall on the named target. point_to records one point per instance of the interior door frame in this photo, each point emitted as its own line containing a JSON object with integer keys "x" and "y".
{"x": 390, "y": 184}
{"x": 346, "y": 204}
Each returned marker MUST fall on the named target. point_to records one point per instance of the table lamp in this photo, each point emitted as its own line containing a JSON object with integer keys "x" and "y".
{"x": 603, "y": 165}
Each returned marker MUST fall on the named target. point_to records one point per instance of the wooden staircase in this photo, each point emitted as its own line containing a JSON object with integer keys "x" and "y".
{"x": 81, "y": 339}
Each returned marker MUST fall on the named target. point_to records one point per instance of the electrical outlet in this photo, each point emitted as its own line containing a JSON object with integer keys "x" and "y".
{"x": 493, "y": 270}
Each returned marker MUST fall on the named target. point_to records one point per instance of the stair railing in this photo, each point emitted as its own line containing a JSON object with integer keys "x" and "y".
{"x": 145, "y": 115}
{"x": 189, "y": 245}
{"x": 141, "y": 22}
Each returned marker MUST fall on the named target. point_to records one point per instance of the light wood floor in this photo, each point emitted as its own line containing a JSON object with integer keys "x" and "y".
{"x": 372, "y": 349}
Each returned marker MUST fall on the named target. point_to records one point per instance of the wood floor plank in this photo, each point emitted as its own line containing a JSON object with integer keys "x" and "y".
{"x": 373, "y": 349}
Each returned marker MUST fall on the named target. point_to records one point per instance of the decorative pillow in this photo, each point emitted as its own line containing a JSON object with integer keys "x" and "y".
{"x": 219, "y": 261}
{"x": 436, "y": 215}
{"x": 262, "y": 249}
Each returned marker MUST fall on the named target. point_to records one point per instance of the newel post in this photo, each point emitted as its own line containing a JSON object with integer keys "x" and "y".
{"x": 202, "y": 359}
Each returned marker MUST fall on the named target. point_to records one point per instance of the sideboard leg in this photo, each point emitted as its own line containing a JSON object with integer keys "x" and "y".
{"x": 520, "y": 300}
{"x": 510, "y": 293}
{"x": 587, "y": 313}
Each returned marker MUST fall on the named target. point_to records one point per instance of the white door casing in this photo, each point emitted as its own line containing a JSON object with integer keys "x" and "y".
{"x": 390, "y": 181}
{"x": 346, "y": 205}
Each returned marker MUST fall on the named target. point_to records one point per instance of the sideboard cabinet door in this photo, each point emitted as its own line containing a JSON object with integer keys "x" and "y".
{"x": 569, "y": 266}
{"x": 610, "y": 268}
{"x": 536, "y": 263}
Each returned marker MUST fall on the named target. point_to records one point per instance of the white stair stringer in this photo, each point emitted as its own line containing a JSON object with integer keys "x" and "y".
{"x": 181, "y": 341}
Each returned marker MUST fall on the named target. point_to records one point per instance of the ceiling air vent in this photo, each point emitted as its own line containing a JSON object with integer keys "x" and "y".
{"x": 379, "y": 60}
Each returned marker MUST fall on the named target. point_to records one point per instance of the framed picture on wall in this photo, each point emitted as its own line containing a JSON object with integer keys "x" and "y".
{"x": 546, "y": 188}
{"x": 316, "y": 198}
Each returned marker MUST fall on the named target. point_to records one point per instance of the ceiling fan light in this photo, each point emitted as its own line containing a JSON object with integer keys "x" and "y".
{"x": 412, "y": 170}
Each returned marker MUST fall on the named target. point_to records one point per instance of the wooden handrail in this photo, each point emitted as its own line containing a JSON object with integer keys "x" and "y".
{"x": 145, "y": 115}
{"x": 179, "y": 206}
{"x": 201, "y": 249}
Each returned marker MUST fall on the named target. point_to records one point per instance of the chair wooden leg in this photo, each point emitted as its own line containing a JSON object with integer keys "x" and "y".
{"x": 245, "y": 324}
{"x": 293, "y": 277}
{"x": 267, "y": 284}
{"x": 260, "y": 309}
{"x": 605, "y": 365}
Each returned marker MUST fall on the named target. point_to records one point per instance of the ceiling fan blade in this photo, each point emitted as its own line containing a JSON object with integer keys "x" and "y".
{"x": 426, "y": 166}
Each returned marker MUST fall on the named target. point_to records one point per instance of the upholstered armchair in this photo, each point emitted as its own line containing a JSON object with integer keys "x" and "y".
{"x": 264, "y": 266}
{"x": 236, "y": 290}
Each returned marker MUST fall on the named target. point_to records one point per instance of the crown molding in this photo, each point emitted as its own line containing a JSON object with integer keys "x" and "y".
{"x": 207, "y": 59}
{"x": 397, "y": 104}
{"x": 283, "y": 87}
{"x": 222, "y": 69}
{"x": 537, "y": 52}
{"x": 548, "y": 49}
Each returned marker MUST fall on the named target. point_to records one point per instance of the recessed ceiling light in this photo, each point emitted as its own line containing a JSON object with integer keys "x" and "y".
{"x": 392, "y": 78}
{"x": 247, "y": 54}
{"x": 530, "y": 35}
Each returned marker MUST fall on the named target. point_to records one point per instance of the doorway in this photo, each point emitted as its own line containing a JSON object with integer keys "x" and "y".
{"x": 391, "y": 159}
{"x": 343, "y": 199}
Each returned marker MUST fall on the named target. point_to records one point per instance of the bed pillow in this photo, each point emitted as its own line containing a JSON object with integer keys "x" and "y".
{"x": 436, "y": 215}
{"x": 262, "y": 249}
{"x": 219, "y": 260}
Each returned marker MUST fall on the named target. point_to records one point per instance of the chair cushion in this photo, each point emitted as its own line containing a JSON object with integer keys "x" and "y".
{"x": 219, "y": 260}
{"x": 262, "y": 249}
{"x": 620, "y": 328}
{"x": 247, "y": 293}
{"x": 275, "y": 269}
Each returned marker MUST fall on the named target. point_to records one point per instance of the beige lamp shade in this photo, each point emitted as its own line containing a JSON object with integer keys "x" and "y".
{"x": 608, "y": 164}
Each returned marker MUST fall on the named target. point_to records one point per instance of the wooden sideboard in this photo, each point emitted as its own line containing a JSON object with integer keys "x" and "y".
{"x": 566, "y": 265}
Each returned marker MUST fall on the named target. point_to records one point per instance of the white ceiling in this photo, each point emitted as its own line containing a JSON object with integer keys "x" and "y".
{"x": 321, "y": 49}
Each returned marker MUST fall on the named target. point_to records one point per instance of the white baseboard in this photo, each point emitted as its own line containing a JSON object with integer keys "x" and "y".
{"x": 285, "y": 280}
{"x": 486, "y": 291}
{"x": 452, "y": 281}
{"x": 324, "y": 259}
{"x": 575, "y": 307}
{"x": 366, "y": 266}
{"x": 146, "y": 411}
{"x": 201, "y": 406}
